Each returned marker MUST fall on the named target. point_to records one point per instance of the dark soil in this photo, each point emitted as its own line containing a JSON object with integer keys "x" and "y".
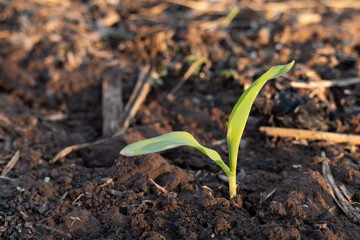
{"x": 54, "y": 56}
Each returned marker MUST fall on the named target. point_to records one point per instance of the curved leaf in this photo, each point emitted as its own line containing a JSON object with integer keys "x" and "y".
{"x": 172, "y": 140}
{"x": 240, "y": 112}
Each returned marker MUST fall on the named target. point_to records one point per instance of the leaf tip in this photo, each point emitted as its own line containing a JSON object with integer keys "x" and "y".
{"x": 127, "y": 153}
{"x": 289, "y": 65}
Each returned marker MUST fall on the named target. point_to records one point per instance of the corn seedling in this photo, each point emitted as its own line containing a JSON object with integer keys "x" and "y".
{"x": 236, "y": 125}
{"x": 230, "y": 73}
{"x": 156, "y": 80}
{"x": 196, "y": 61}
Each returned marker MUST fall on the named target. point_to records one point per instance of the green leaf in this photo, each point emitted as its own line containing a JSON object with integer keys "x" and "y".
{"x": 172, "y": 140}
{"x": 240, "y": 112}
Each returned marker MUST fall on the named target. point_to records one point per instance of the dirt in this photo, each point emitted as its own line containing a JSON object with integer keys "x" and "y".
{"x": 55, "y": 56}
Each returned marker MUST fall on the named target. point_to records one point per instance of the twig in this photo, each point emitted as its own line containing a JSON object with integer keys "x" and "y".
{"x": 326, "y": 83}
{"x": 107, "y": 182}
{"x": 163, "y": 190}
{"x": 112, "y": 103}
{"x": 339, "y": 198}
{"x": 282, "y": 6}
{"x": 204, "y": 6}
{"x": 63, "y": 153}
{"x": 189, "y": 72}
{"x": 137, "y": 97}
{"x": 58, "y": 116}
{"x": 52, "y": 2}
{"x": 346, "y": 192}
{"x": 139, "y": 94}
{"x": 11, "y": 163}
{"x": 12, "y": 224}
{"x": 288, "y": 5}
{"x": 78, "y": 197}
{"x": 312, "y": 135}
{"x": 265, "y": 196}
{"x": 341, "y": 4}
{"x": 62, "y": 198}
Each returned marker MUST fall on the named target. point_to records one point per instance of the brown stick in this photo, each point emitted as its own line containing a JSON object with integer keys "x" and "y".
{"x": 63, "y": 153}
{"x": 11, "y": 163}
{"x": 112, "y": 103}
{"x": 189, "y": 72}
{"x": 326, "y": 83}
{"x": 288, "y": 5}
{"x": 339, "y": 198}
{"x": 312, "y": 135}
{"x": 139, "y": 94}
{"x": 203, "y": 6}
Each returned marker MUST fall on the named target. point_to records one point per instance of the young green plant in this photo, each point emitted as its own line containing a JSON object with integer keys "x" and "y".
{"x": 236, "y": 125}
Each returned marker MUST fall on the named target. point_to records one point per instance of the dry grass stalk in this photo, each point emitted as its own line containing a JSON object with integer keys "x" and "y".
{"x": 53, "y": 2}
{"x": 311, "y": 135}
{"x": 163, "y": 190}
{"x": 205, "y": 6}
{"x": 282, "y": 6}
{"x": 337, "y": 195}
{"x": 63, "y": 153}
{"x": 138, "y": 96}
{"x": 326, "y": 83}
{"x": 112, "y": 103}
{"x": 300, "y": 4}
{"x": 11, "y": 163}
{"x": 189, "y": 72}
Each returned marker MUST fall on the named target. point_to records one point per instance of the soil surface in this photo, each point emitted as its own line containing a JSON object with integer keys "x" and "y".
{"x": 55, "y": 57}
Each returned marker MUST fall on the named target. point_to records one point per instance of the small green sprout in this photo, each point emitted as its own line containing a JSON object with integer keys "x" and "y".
{"x": 156, "y": 80}
{"x": 157, "y": 76}
{"x": 230, "y": 73}
{"x": 236, "y": 125}
{"x": 198, "y": 60}
{"x": 47, "y": 179}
